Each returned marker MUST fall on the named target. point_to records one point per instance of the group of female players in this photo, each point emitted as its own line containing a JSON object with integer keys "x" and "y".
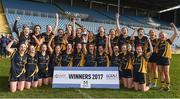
{"x": 36, "y": 54}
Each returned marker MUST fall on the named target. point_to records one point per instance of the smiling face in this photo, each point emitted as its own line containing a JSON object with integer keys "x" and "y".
{"x": 112, "y": 32}
{"x": 43, "y": 48}
{"x": 140, "y": 32}
{"x": 100, "y": 49}
{"x": 31, "y": 49}
{"x": 69, "y": 47}
{"x": 60, "y": 32}
{"x": 79, "y": 46}
{"x": 124, "y": 31}
{"x": 22, "y": 48}
{"x": 48, "y": 29}
{"x": 26, "y": 31}
{"x": 152, "y": 34}
{"x": 91, "y": 47}
{"x": 37, "y": 29}
{"x": 139, "y": 50}
{"x": 101, "y": 31}
{"x": 57, "y": 49}
{"x": 163, "y": 35}
{"x": 116, "y": 49}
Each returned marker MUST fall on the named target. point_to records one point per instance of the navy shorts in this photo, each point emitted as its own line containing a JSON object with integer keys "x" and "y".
{"x": 153, "y": 58}
{"x": 33, "y": 78}
{"x": 139, "y": 77}
{"x": 14, "y": 78}
{"x": 44, "y": 74}
{"x": 163, "y": 61}
{"x": 127, "y": 73}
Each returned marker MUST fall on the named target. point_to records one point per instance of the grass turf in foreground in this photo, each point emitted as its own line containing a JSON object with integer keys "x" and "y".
{"x": 48, "y": 92}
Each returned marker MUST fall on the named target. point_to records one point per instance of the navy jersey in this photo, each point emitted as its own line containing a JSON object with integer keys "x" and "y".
{"x": 46, "y": 37}
{"x": 102, "y": 60}
{"x": 58, "y": 40}
{"x": 115, "y": 60}
{"x": 31, "y": 66}
{"x": 164, "y": 48}
{"x": 122, "y": 40}
{"x": 18, "y": 63}
{"x": 32, "y": 40}
{"x": 43, "y": 62}
{"x": 114, "y": 41}
{"x": 100, "y": 40}
{"x": 140, "y": 64}
{"x": 90, "y": 59}
{"x": 126, "y": 60}
{"x": 67, "y": 59}
{"x": 78, "y": 58}
{"x": 142, "y": 42}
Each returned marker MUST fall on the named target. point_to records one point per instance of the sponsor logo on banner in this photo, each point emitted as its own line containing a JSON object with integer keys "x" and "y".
{"x": 60, "y": 75}
{"x": 111, "y": 76}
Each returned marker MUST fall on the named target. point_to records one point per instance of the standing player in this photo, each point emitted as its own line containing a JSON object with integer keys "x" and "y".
{"x": 152, "y": 67}
{"x": 164, "y": 56}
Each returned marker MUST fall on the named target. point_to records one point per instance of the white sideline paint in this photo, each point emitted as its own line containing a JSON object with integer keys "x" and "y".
{"x": 84, "y": 94}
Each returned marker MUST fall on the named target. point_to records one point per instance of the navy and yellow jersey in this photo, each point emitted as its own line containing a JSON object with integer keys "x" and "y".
{"x": 142, "y": 42}
{"x": 55, "y": 59}
{"x": 31, "y": 66}
{"x": 115, "y": 60}
{"x": 18, "y": 63}
{"x": 164, "y": 48}
{"x": 126, "y": 61}
{"x": 90, "y": 60}
{"x": 154, "y": 43}
{"x": 77, "y": 40}
{"x": 91, "y": 41}
{"x": 123, "y": 40}
{"x": 23, "y": 39}
{"x": 58, "y": 40}
{"x": 70, "y": 39}
{"x": 46, "y": 37}
{"x": 114, "y": 41}
{"x": 100, "y": 40}
{"x": 102, "y": 60}
{"x": 33, "y": 42}
{"x": 67, "y": 59}
{"x": 140, "y": 63}
{"x": 43, "y": 61}
{"x": 78, "y": 59}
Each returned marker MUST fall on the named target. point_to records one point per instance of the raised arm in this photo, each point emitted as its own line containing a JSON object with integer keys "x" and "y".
{"x": 132, "y": 35}
{"x": 117, "y": 22}
{"x": 8, "y": 47}
{"x": 175, "y": 32}
{"x": 85, "y": 39}
{"x": 110, "y": 47}
{"x": 36, "y": 40}
{"x": 49, "y": 45}
{"x": 56, "y": 23}
{"x": 151, "y": 48}
{"x": 74, "y": 26}
{"x": 106, "y": 46}
{"x": 15, "y": 29}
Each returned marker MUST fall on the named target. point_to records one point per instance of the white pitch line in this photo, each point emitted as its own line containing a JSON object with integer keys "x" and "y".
{"x": 84, "y": 94}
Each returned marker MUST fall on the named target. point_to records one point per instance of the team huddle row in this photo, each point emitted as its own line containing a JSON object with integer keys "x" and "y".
{"x": 36, "y": 54}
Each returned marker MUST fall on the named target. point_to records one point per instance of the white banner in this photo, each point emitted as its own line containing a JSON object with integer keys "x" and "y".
{"x": 86, "y": 77}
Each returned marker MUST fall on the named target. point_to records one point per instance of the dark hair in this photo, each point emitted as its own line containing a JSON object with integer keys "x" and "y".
{"x": 37, "y": 26}
{"x": 140, "y": 29}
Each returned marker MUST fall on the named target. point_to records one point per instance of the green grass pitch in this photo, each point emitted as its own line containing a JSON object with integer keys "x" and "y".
{"x": 48, "y": 92}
